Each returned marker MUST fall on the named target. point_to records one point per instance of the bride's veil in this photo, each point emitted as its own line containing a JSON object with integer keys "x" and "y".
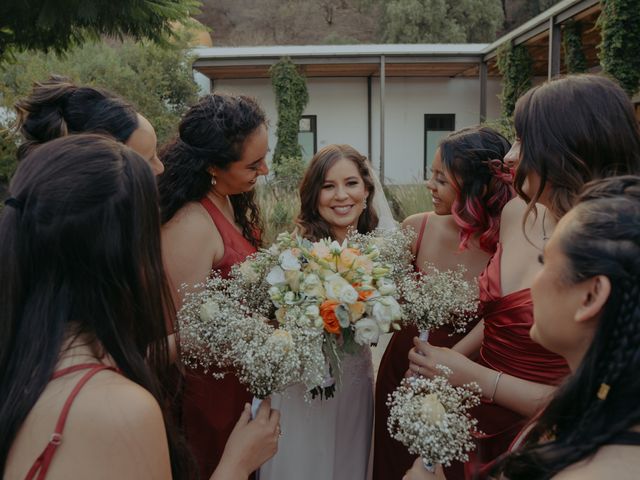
{"x": 381, "y": 204}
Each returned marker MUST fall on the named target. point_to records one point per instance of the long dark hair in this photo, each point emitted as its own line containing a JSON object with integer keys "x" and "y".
{"x": 57, "y": 107}
{"x": 573, "y": 130}
{"x": 473, "y": 160}
{"x": 603, "y": 238}
{"x": 80, "y": 255}
{"x": 309, "y": 221}
{"x": 211, "y": 134}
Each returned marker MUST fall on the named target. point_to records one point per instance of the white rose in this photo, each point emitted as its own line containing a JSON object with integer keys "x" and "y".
{"x": 339, "y": 289}
{"x": 386, "y": 286}
{"x": 335, "y": 248}
{"x": 312, "y": 311}
{"x": 274, "y": 250}
{"x": 209, "y": 310}
{"x": 385, "y": 311}
{"x": 288, "y": 261}
{"x": 311, "y": 286}
{"x": 248, "y": 272}
{"x": 276, "y": 276}
{"x": 367, "y": 331}
{"x": 431, "y": 410}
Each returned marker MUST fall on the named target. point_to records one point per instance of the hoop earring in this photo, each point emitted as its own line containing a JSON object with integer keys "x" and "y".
{"x": 364, "y": 204}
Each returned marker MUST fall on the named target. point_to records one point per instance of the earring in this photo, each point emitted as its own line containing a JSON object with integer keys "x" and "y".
{"x": 364, "y": 204}
{"x": 213, "y": 180}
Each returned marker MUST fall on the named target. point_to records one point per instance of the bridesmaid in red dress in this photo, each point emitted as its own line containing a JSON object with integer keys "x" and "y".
{"x": 210, "y": 220}
{"x": 555, "y": 159}
{"x": 469, "y": 186}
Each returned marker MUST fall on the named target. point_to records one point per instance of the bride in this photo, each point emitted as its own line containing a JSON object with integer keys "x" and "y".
{"x": 330, "y": 438}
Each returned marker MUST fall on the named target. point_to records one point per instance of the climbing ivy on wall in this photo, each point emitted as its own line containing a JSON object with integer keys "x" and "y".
{"x": 574, "y": 57}
{"x": 291, "y": 98}
{"x": 619, "y": 50}
{"x": 515, "y": 65}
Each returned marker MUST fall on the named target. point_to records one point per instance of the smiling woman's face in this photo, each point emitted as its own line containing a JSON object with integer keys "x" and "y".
{"x": 442, "y": 192}
{"x": 343, "y": 194}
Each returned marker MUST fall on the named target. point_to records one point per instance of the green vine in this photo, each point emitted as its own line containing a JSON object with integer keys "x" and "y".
{"x": 515, "y": 65}
{"x": 291, "y": 98}
{"x": 574, "y": 57}
{"x": 619, "y": 50}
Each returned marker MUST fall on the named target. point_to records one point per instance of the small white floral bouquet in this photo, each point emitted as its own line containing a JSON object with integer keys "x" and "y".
{"x": 221, "y": 333}
{"x": 437, "y": 298}
{"x": 431, "y": 418}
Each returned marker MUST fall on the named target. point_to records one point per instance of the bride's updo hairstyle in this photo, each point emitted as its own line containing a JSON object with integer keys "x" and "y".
{"x": 472, "y": 159}
{"x": 602, "y": 238}
{"x": 57, "y": 107}
{"x": 309, "y": 221}
{"x": 573, "y": 130}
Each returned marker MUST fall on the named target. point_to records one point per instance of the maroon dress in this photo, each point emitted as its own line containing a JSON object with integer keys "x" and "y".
{"x": 211, "y": 407}
{"x": 391, "y": 460}
{"x": 507, "y": 347}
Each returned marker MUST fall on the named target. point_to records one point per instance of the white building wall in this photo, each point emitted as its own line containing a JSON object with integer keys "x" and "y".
{"x": 340, "y": 105}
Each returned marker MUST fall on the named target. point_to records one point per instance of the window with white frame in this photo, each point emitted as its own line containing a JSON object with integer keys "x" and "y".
{"x": 436, "y": 127}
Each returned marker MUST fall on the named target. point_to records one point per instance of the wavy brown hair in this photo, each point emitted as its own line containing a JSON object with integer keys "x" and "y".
{"x": 211, "y": 134}
{"x": 573, "y": 130}
{"x": 309, "y": 221}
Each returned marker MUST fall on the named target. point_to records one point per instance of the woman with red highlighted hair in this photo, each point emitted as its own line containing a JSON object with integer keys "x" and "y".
{"x": 469, "y": 185}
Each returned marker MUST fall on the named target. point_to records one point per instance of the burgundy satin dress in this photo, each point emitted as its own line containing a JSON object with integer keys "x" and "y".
{"x": 507, "y": 347}
{"x": 391, "y": 460}
{"x": 211, "y": 407}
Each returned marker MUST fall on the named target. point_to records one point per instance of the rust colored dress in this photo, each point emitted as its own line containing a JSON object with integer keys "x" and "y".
{"x": 211, "y": 407}
{"x": 391, "y": 460}
{"x": 507, "y": 347}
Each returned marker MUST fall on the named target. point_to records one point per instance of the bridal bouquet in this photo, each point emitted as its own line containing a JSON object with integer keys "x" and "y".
{"x": 431, "y": 418}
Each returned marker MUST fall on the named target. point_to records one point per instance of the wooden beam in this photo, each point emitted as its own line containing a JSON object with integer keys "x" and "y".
{"x": 554, "y": 49}
{"x": 483, "y": 91}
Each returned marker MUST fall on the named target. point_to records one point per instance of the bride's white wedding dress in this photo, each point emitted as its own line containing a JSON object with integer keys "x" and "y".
{"x": 327, "y": 439}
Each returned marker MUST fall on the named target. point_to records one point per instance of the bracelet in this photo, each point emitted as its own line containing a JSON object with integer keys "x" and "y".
{"x": 495, "y": 387}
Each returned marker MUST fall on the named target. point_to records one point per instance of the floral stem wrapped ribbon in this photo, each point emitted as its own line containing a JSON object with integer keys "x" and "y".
{"x": 431, "y": 418}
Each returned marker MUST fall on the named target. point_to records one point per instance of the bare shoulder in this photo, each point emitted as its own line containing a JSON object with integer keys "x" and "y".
{"x": 612, "y": 461}
{"x": 414, "y": 221}
{"x": 114, "y": 417}
{"x": 191, "y": 223}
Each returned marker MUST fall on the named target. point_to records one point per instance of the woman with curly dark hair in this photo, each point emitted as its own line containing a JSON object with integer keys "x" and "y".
{"x": 210, "y": 221}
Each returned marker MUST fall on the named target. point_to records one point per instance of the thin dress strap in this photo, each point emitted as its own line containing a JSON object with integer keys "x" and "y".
{"x": 41, "y": 465}
{"x": 421, "y": 234}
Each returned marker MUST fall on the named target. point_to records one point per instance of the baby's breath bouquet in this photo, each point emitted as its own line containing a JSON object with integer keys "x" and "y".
{"x": 431, "y": 418}
{"x": 437, "y": 298}
{"x": 220, "y": 332}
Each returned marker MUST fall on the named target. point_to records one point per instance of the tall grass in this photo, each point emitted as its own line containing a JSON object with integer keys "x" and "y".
{"x": 280, "y": 204}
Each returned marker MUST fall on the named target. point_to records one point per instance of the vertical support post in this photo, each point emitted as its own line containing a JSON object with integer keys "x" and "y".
{"x": 483, "y": 90}
{"x": 369, "y": 124}
{"x": 554, "y": 49}
{"x": 382, "y": 92}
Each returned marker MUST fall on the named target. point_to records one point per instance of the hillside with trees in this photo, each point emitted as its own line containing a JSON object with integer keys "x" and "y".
{"x": 309, "y": 22}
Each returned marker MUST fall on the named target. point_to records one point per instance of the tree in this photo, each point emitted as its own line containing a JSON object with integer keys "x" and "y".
{"x": 47, "y": 25}
{"x": 441, "y": 21}
{"x": 156, "y": 79}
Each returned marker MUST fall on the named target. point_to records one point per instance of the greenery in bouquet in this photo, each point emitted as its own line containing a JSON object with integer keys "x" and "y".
{"x": 431, "y": 417}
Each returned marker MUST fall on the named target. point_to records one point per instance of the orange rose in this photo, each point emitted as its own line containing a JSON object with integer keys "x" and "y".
{"x": 328, "y": 314}
{"x": 363, "y": 294}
